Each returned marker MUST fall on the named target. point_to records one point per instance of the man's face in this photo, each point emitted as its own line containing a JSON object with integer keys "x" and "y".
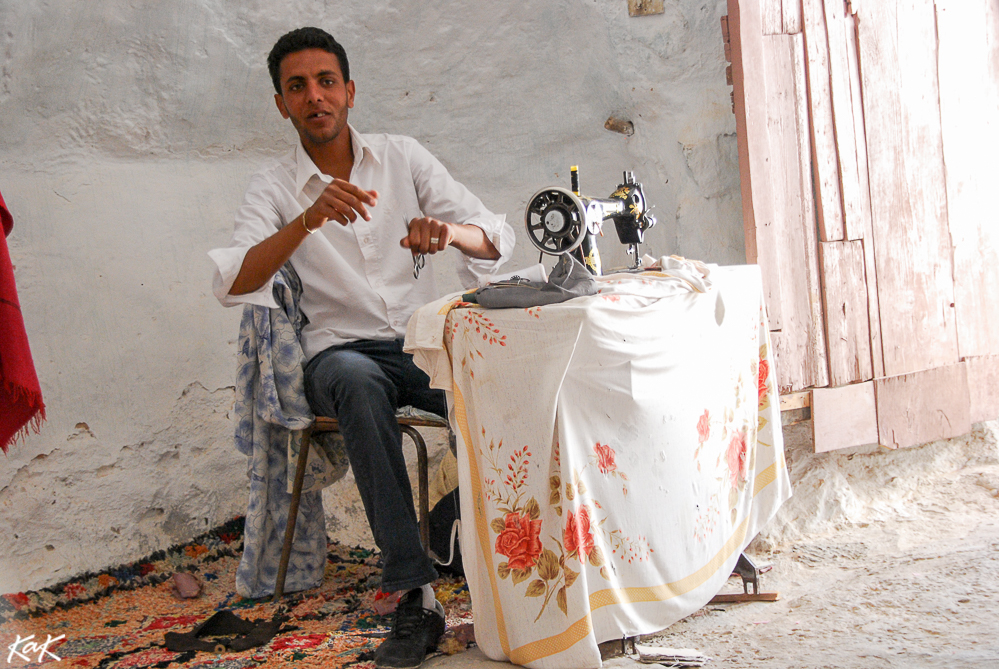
{"x": 314, "y": 95}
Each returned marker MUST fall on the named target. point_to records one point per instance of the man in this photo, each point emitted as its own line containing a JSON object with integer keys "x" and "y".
{"x": 352, "y": 212}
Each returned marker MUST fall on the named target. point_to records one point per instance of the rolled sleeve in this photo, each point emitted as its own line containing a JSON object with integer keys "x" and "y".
{"x": 256, "y": 220}
{"x": 228, "y": 262}
{"x": 497, "y": 231}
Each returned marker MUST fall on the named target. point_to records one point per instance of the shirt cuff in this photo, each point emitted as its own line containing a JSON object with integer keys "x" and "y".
{"x": 499, "y": 233}
{"x": 501, "y": 236}
{"x": 228, "y": 262}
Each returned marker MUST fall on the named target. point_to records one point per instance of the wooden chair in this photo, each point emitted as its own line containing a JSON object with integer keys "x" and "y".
{"x": 408, "y": 425}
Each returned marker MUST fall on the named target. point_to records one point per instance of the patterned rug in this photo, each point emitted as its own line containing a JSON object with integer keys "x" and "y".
{"x": 116, "y": 619}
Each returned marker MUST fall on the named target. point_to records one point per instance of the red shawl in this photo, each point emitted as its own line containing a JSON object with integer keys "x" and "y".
{"x": 21, "y": 405}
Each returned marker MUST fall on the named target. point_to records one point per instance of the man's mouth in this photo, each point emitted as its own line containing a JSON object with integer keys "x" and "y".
{"x": 319, "y": 115}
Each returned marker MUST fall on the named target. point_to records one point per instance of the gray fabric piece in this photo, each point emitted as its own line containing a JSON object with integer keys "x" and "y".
{"x": 568, "y": 279}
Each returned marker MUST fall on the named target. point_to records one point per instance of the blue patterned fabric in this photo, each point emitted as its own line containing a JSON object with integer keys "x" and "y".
{"x": 271, "y": 410}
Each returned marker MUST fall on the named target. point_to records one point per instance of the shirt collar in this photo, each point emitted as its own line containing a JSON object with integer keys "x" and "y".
{"x": 306, "y": 169}
{"x": 361, "y": 148}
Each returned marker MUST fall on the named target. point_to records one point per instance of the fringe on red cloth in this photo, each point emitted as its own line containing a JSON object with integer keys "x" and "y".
{"x": 21, "y": 406}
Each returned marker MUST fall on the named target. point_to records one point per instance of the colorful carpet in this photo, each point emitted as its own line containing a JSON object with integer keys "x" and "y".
{"x": 117, "y": 619}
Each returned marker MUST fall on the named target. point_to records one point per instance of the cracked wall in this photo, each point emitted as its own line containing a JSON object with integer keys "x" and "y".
{"x": 128, "y": 133}
{"x": 88, "y": 503}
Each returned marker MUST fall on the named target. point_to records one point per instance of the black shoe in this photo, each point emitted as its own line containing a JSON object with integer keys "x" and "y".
{"x": 414, "y": 633}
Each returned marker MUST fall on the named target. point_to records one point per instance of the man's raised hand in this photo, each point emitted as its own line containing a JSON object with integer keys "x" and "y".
{"x": 428, "y": 235}
{"x": 342, "y": 202}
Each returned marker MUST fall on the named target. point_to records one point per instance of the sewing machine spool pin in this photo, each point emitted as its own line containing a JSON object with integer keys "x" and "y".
{"x": 561, "y": 221}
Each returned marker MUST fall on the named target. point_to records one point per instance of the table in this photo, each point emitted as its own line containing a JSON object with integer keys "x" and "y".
{"x": 615, "y": 455}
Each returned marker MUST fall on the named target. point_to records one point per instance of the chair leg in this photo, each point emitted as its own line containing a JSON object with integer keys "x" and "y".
{"x": 423, "y": 475}
{"x": 289, "y": 532}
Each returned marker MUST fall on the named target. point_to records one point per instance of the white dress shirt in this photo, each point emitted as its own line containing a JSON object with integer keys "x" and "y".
{"x": 357, "y": 280}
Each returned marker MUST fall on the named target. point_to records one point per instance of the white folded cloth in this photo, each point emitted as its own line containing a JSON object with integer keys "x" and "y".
{"x": 671, "y": 657}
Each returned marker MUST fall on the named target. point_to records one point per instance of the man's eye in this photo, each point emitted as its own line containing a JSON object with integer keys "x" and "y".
{"x": 328, "y": 82}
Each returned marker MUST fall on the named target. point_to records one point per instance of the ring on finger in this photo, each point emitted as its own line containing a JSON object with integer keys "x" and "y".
{"x": 434, "y": 240}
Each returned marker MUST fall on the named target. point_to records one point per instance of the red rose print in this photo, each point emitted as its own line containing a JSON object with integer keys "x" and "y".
{"x": 519, "y": 541}
{"x": 577, "y": 536}
{"x": 703, "y": 427}
{"x": 736, "y": 458}
{"x": 762, "y": 383}
{"x": 605, "y": 458}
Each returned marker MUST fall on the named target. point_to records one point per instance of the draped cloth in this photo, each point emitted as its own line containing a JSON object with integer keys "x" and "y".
{"x": 20, "y": 393}
{"x": 615, "y": 454}
{"x": 271, "y": 412}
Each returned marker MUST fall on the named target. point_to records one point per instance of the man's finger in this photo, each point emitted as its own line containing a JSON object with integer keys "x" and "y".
{"x": 427, "y": 232}
{"x": 350, "y": 195}
{"x": 444, "y": 236}
{"x": 416, "y": 234}
{"x": 412, "y": 239}
{"x": 440, "y": 237}
{"x": 369, "y": 197}
{"x": 344, "y": 203}
{"x": 346, "y": 209}
{"x": 335, "y": 210}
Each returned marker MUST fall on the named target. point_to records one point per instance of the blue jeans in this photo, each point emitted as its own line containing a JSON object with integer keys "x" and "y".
{"x": 362, "y": 383}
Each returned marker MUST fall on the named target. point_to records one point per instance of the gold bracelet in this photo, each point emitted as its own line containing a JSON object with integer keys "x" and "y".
{"x": 313, "y": 230}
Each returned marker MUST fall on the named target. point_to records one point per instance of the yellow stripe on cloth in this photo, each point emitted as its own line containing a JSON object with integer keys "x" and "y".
{"x": 481, "y": 525}
{"x": 659, "y": 593}
{"x": 766, "y": 477}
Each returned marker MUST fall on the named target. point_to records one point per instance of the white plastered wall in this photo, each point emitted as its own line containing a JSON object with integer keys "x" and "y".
{"x": 128, "y": 130}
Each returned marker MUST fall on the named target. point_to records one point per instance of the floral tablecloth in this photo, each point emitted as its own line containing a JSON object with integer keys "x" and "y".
{"x": 616, "y": 453}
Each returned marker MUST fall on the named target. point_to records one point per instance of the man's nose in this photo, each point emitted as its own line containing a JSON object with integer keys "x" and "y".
{"x": 314, "y": 92}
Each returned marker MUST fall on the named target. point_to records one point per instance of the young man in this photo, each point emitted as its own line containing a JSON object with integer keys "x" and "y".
{"x": 352, "y": 212}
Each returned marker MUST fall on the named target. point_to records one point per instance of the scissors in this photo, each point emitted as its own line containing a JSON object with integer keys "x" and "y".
{"x": 419, "y": 259}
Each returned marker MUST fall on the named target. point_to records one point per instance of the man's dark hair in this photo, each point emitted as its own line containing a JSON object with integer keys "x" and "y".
{"x": 300, "y": 40}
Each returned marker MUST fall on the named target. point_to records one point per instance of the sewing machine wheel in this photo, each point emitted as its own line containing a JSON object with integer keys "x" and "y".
{"x": 555, "y": 221}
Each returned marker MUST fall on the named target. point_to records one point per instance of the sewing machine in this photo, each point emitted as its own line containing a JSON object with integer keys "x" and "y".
{"x": 563, "y": 221}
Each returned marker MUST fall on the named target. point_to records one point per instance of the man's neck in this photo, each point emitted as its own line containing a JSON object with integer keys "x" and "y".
{"x": 334, "y": 158}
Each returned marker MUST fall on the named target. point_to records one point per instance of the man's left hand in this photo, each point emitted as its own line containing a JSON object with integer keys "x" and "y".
{"x": 428, "y": 235}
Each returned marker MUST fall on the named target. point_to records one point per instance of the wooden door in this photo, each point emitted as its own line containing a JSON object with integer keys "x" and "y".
{"x": 867, "y": 132}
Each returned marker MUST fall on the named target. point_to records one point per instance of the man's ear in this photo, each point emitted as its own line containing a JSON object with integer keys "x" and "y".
{"x": 279, "y": 101}
{"x": 350, "y": 94}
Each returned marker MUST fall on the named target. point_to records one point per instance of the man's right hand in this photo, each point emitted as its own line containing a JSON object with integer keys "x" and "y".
{"x": 342, "y": 202}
